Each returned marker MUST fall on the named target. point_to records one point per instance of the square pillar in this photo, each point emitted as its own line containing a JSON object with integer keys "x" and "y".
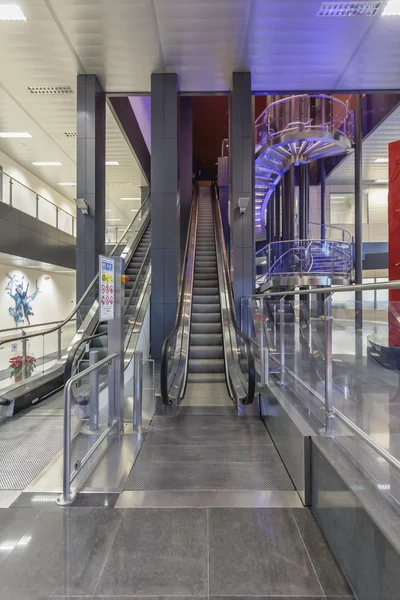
{"x": 185, "y": 168}
{"x": 90, "y": 181}
{"x": 165, "y": 230}
{"x": 241, "y": 176}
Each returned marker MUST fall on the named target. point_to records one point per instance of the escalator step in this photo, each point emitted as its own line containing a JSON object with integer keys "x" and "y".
{"x": 207, "y": 352}
{"x": 202, "y": 365}
{"x": 202, "y": 327}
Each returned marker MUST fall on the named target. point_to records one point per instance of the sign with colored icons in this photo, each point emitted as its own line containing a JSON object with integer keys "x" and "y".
{"x": 106, "y": 288}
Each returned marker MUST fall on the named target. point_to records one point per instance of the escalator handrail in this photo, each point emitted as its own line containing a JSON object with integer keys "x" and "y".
{"x": 178, "y": 323}
{"x": 82, "y": 299}
{"x": 138, "y": 276}
{"x": 251, "y": 389}
{"x": 74, "y": 349}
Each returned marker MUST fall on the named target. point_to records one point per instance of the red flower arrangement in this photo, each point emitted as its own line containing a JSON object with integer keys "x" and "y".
{"x": 16, "y": 366}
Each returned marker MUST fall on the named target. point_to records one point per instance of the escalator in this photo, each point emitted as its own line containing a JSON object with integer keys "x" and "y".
{"x": 134, "y": 248}
{"x": 207, "y": 355}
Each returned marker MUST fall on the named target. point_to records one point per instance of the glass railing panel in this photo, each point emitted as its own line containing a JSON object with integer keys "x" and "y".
{"x": 22, "y": 198}
{"x": 66, "y": 222}
{"x": 47, "y": 212}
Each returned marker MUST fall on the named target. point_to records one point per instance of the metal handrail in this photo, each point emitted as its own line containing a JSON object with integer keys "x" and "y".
{"x": 68, "y": 478}
{"x": 71, "y": 354}
{"x": 85, "y": 295}
{"x": 251, "y": 370}
{"x": 32, "y": 326}
{"x": 365, "y": 287}
{"x": 178, "y": 324}
{"x": 12, "y": 179}
{"x": 343, "y": 231}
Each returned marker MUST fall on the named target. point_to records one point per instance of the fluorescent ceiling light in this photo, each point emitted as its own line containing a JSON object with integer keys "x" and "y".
{"x": 44, "y": 163}
{"x": 108, "y": 210}
{"x": 11, "y": 12}
{"x": 381, "y": 160}
{"x": 67, "y": 183}
{"x": 335, "y": 197}
{"x": 113, "y": 219}
{"x": 14, "y": 134}
{"x": 134, "y": 210}
{"x": 392, "y": 9}
{"x": 112, "y": 163}
{"x": 349, "y": 9}
{"x": 130, "y": 198}
{"x": 381, "y": 181}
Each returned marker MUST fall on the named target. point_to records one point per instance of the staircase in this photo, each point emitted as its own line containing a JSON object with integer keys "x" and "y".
{"x": 206, "y": 352}
{"x": 292, "y": 131}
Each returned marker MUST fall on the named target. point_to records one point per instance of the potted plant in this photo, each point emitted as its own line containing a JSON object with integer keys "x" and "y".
{"x": 16, "y": 366}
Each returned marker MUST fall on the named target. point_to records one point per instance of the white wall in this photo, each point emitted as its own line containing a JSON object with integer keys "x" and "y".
{"x": 24, "y": 200}
{"x": 377, "y": 228}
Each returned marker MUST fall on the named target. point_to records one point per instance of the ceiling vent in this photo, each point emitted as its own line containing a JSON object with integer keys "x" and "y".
{"x": 70, "y": 134}
{"x": 50, "y": 89}
{"x": 348, "y": 9}
{"x": 119, "y": 182}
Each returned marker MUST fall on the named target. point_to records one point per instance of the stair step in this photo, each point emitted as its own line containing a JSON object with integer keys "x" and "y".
{"x": 206, "y": 378}
{"x": 204, "y": 327}
{"x": 205, "y": 308}
{"x": 206, "y": 352}
{"x": 203, "y": 365}
{"x": 204, "y": 299}
{"x": 205, "y": 339}
{"x": 203, "y": 317}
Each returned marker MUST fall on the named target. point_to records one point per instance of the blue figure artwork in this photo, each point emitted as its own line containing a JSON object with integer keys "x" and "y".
{"x": 22, "y": 308}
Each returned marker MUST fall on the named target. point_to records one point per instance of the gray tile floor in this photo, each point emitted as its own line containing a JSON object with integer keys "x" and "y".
{"x": 193, "y": 553}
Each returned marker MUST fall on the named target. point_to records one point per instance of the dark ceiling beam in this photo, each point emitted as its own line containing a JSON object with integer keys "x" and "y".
{"x": 125, "y": 117}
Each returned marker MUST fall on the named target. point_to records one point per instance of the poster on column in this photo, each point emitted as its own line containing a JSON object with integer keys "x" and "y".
{"x": 106, "y": 288}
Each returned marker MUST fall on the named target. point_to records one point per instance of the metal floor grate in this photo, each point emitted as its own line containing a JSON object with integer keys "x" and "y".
{"x": 27, "y": 445}
{"x": 185, "y": 460}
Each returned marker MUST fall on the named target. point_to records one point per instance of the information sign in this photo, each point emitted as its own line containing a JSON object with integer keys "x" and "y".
{"x": 106, "y": 288}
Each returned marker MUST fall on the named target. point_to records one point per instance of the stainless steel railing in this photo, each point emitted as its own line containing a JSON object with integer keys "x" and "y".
{"x": 330, "y": 410}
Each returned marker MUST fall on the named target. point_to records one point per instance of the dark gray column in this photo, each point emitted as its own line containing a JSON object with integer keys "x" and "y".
{"x": 90, "y": 180}
{"x": 304, "y": 201}
{"x": 288, "y": 204}
{"x": 322, "y": 176}
{"x": 358, "y": 216}
{"x": 277, "y": 201}
{"x": 185, "y": 168}
{"x": 165, "y": 234}
{"x": 241, "y": 171}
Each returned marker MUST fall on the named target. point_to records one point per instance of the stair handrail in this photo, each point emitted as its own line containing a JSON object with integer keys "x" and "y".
{"x": 344, "y": 232}
{"x": 251, "y": 370}
{"x": 85, "y": 295}
{"x": 185, "y": 292}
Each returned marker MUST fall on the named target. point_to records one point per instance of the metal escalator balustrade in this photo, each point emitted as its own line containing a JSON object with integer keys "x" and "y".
{"x": 206, "y": 345}
{"x": 23, "y": 394}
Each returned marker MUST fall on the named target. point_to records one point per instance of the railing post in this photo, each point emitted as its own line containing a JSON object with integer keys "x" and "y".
{"x": 137, "y": 390}
{"x": 282, "y": 337}
{"x": 59, "y": 332}
{"x": 66, "y": 495}
{"x": 56, "y": 217}
{"x": 328, "y": 366}
{"x": 11, "y": 192}
{"x": 24, "y": 344}
{"x": 37, "y": 206}
{"x": 93, "y": 392}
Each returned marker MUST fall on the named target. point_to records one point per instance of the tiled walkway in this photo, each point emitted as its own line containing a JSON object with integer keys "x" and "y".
{"x": 194, "y": 553}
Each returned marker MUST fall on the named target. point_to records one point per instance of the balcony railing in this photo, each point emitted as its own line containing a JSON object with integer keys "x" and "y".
{"x": 16, "y": 194}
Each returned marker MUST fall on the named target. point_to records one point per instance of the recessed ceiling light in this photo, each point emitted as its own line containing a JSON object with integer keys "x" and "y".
{"x": 349, "y": 9}
{"x": 381, "y": 160}
{"x": 50, "y": 89}
{"x": 113, "y": 219}
{"x": 381, "y": 181}
{"x": 44, "y": 163}
{"x": 15, "y": 134}
{"x": 112, "y": 163}
{"x": 11, "y": 12}
{"x": 67, "y": 183}
{"x": 130, "y": 198}
{"x": 392, "y": 9}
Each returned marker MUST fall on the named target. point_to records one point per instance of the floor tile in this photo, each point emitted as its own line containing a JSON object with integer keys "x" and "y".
{"x": 329, "y": 574}
{"x": 158, "y": 552}
{"x": 7, "y": 498}
{"x": 60, "y": 552}
{"x": 268, "y": 552}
